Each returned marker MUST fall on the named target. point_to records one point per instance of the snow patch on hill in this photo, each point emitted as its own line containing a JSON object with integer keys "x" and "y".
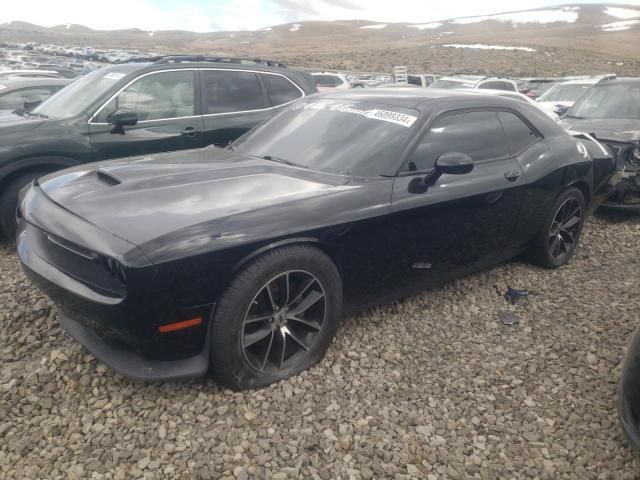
{"x": 481, "y": 46}
{"x": 619, "y": 26}
{"x": 427, "y": 26}
{"x": 564, "y": 14}
{"x": 624, "y": 13}
{"x": 377, "y": 26}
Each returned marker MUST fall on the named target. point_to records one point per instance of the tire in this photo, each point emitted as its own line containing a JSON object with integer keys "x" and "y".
{"x": 238, "y": 360}
{"x": 9, "y": 203}
{"x": 554, "y": 245}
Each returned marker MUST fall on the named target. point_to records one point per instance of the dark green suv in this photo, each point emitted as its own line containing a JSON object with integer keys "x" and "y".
{"x": 173, "y": 103}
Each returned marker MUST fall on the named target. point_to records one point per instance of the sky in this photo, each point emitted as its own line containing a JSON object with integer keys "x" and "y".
{"x": 216, "y": 15}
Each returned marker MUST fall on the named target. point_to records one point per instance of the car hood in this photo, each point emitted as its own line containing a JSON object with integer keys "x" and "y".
{"x": 617, "y": 130}
{"x": 140, "y": 199}
{"x": 12, "y": 123}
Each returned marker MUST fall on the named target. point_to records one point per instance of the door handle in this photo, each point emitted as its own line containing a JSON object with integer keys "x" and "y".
{"x": 189, "y": 132}
{"x": 512, "y": 175}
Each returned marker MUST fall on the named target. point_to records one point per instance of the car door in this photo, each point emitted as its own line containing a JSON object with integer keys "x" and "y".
{"x": 233, "y": 102}
{"x": 167, "y": 117}
{"x": 459, "y": 223}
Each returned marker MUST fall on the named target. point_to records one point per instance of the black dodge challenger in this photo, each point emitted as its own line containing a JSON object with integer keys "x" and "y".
{"x": 241, "y": 261}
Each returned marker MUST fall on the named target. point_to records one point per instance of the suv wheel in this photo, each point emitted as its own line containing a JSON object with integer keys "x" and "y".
{"x": 9, "y": 203}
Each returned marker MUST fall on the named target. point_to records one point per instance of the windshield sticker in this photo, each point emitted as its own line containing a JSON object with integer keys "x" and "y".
{"x": 374, "y": 114}
{"x": 113, "y": 76}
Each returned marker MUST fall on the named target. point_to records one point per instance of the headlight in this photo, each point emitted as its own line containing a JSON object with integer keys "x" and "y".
{"x": 636, "y": 154}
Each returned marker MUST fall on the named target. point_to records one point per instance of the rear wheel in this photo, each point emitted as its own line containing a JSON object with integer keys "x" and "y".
{"x": 276, "y": 318}
{"x": 9, "y": 203}
{"x": 556, "y": 242}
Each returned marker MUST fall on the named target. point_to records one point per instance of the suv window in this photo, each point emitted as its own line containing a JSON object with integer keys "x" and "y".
{"x": 20, "y": 97}
{"x": 414, "y": 80}
{"x": 157, "y": 96}
{"x": 280, "y": 89}
{"x": 478, "y": 134}
{"x": 328, "y": 80}
{"x": 498, "y": 86}
{"x": 226, "y": 91}
{"x": 519, "y": 135}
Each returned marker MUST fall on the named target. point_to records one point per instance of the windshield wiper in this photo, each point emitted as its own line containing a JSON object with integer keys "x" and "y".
{"x": 271, "y": 158}
{"x": 37, "y": 115}
{"x": 573, "y": 116}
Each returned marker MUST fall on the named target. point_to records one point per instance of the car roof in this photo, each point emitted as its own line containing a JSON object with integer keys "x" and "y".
{"x": 581, "y": 81}
{"x": 493, "y": 91}
{"x": 417, "y": 98}
{"x": 302, "y": 79}
{"x": 619, "y": 80}
{"x": 17, "y": 83}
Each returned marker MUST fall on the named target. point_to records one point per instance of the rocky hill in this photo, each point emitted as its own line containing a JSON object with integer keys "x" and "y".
{"x": 567, "y": 39}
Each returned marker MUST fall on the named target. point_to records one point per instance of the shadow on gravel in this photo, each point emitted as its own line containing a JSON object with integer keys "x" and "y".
{"x": 617, "y": 216}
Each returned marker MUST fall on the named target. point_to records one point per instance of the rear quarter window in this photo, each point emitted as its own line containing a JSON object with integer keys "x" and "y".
{"x": 280, "y": 89}
{"x": 519, "y": 135}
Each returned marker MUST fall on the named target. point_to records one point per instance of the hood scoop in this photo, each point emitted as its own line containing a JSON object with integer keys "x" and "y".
{"x": 107, "y": 178}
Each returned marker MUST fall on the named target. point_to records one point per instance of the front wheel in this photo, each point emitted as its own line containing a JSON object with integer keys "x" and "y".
{"x": 556, "y": 242}
{"x": 276, "y": 318}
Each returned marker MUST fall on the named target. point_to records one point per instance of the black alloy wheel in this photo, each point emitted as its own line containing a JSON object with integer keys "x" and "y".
{"x": 557, "y": 240}
{"x": 283, "y": 321}
{"x": 276, "y": 318}
{"x": 565, "y": 228}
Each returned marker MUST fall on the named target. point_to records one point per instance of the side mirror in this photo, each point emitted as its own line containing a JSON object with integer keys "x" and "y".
{"x": 123, "y": 117}
{"x": 454, "y": 163}
{"x": 560, "y": 110}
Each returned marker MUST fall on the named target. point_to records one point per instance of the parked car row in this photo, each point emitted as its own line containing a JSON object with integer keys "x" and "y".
{"x": 250, "y": 211}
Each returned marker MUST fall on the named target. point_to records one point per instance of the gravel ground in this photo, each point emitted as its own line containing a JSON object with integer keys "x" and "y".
{"x": 431, "y": 387}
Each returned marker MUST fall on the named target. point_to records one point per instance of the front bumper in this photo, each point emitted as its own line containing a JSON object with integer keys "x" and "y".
{"x": 96, "y": 321}
{"x": 117, "y": 313}
{"x": 629, "y": 394}
{"x": 131, "y": 364}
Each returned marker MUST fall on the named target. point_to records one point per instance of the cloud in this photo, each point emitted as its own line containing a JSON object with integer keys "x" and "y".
{"x": 207, "y": 15}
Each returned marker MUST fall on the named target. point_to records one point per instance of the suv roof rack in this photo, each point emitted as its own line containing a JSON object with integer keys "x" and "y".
{"x": 160, "y": 59}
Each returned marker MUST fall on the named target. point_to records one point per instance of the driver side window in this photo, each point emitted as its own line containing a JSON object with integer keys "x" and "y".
{"x": 157, "y": 96}
{"x": 477, "y": 134}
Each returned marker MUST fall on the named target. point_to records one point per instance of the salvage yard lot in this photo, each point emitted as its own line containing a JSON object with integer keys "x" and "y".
{"x": 433, "y": 386}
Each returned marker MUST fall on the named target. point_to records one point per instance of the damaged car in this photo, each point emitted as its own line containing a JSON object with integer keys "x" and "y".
{"x": 241, "y": 261}
{"x": 610, "y": 111}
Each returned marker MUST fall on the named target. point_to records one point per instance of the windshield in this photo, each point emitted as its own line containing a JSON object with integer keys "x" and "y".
{"x": 564, "y": 93}
{"x": 620, "y": 101}
{"x": 451, "y": 84}
{"x": 76, "y": 97}
{"x": 346, "y": 137}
